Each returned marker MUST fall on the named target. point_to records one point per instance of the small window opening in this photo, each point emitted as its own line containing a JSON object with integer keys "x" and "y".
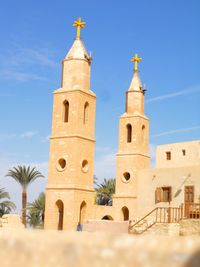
{"x": 127, "y": 176}
{"x": 168, "y": 155}
{"x": 85, "y": 165}
{"x": 62, "y": 163}
{"x": 143, "y": 133}
{"x": 184, "y": 152}
{"x": 85, "y": 115}
{"x": 129, "y": 133}
{"x": 66, "y": 111}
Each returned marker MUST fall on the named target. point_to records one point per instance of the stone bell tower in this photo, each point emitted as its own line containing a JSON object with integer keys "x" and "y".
{"x": 69, "y": 192}
{"x": 133, "y": 151}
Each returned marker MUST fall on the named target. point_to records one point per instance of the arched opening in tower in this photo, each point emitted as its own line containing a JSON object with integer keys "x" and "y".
{"x": 60, "y": 214}
{"x": 85, "y": 115}
{"x": 107, "y": 217}
{"x": 125, "y": 212}
{"x": 66, "y": 110}
{"x": 82, "y": 213}
{"x": 143, "y": 134}
{"x": 129, "y": 133}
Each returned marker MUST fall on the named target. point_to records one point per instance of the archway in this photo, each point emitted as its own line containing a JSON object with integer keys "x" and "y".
{"x": 82, "y": 213}
{"x": 125, "y": 212}
{"x": 60, "y": 214}
{"x": 107, "y": 217}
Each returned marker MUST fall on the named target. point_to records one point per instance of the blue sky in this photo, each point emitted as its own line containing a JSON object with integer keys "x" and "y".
{"x": 35, "y": 37}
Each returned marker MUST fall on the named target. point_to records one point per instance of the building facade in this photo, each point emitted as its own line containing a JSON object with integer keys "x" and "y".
{"x": 70, "y": 196}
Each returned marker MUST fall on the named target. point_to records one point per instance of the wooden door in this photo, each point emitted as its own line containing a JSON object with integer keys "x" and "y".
{"x": 189, "y": 199}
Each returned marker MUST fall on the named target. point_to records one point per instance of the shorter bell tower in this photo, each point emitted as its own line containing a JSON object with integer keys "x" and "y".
{"x": 70, "y": 192}
{"x": 133, "y": 150}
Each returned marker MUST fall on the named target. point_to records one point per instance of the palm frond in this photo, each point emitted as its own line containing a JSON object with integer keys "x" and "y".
{"x": 6, "y": 206}
{"x": 104, "y": 192}
{"x": 36, "y": 210}
{"x": 24, "y": 175}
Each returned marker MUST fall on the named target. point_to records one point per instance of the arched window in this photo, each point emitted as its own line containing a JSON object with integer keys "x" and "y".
{"x": 82, "y": 213}
{"x": 85, "y": 115}
{"x": 129, "y": 133}
{"x": 107, "y": 217}
{"x": 60, "y": 214}
{"x": 143, "y": 134}
{"x": 125, "y": 213}
{"x": 66, "y": 111}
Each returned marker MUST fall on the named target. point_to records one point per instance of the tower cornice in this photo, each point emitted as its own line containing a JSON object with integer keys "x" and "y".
{"x": 133, "y": 115}
{"x": 71, "y": 136}
{"x": 65, "y": 90}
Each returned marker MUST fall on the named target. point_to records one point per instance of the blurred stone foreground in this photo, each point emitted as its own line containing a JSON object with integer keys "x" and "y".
{"x": 42, "y": 248}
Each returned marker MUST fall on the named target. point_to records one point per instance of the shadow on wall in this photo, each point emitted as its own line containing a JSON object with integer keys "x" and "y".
{"x": 194, "y": 260}
{"x": 177, "y": 192}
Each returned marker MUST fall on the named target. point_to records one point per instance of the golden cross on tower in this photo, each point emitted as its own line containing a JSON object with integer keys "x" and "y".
{"x": 136, "y": 60}
{"x": 79, "y": 24}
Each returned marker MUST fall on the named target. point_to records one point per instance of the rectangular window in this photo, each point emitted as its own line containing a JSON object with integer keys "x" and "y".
{"x": 168, "y": 155}
{"x": 163, "y": 194}
{"x": 166, "y": 194}
{"x": 184, "y": 152}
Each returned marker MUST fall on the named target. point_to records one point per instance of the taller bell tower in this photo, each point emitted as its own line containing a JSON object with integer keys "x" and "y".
{"x": 133, "y": 150}
{"x": 69, "y": 192}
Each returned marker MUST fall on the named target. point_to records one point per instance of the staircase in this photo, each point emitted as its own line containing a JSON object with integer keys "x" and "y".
{"x": 160, "y": 215}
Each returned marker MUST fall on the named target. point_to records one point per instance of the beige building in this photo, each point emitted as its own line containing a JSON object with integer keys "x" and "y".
{"x": 139, "y": 189}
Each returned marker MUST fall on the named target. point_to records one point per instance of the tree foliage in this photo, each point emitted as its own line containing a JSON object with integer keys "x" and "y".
{"x": 24, "y": 176}
{"x": 36, "y": 210}
{"x": 6, "y": 206}
{"x": 105, "y": 191}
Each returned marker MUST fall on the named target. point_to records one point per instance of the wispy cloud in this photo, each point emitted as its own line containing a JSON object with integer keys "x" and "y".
{"x": 28, "y": 134}
{"x": 191, "y": 90}
{"x": 45, "y": 139}
{"x": 32, "y": 57}
{"x": 14, "y": 64}
{"x": 20, "y": 76}
{"x": 182, "y": 130}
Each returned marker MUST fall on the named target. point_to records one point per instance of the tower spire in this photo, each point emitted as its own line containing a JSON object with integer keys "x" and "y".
{"x": 76, "y": 64}
{"x": 79, "y": 24}
{"x": 136, "y": 60}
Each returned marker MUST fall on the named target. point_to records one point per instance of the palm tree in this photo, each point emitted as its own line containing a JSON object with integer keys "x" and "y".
{"x": 105, "y": 192}
{"x": 24, "y": 176}
{"x": 33, "y": 219}
{"x": 6, "y": 206}
{"x": 36, "y": 211}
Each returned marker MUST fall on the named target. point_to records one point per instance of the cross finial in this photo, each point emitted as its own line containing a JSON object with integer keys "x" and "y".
{"x": 79, "y": 24}
{"x": 136, "y": 60}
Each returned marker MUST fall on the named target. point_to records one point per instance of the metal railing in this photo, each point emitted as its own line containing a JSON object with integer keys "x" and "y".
{"x": 165, "y": 215}
{"x": 157, "y": 215}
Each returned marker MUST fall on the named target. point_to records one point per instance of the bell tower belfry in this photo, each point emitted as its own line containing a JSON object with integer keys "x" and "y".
{"x": 133, "y": 150}
{"x": 70, "y": 192}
